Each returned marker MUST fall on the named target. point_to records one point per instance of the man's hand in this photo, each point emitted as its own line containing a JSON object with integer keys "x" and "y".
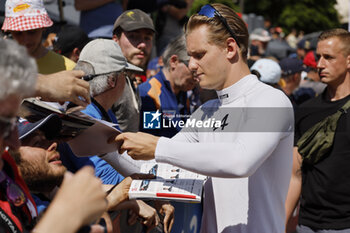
{"x": 119, "y": 194}
{"x": 147, "y": 213}
{"x": 64, "y": 86}
{"x": 140, "y": 146}
{"x": 167, "y": 210}
{"x": 79, "y": 201}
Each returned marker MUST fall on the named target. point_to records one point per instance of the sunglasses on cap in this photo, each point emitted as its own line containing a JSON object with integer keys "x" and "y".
{"x": 14, "y": 193}
{"x": 210, "y": 12}
{"x": 7, "y": 126}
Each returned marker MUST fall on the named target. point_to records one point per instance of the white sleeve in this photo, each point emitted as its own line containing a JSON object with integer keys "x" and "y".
{"x": 240, "y": 158}
{"x": 223, "y": 158}
{"x": 122, "y": 163}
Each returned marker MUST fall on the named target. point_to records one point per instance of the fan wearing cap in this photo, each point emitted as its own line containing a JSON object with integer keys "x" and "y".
{"x": 17, "y": 208}
{"x": 134, "y": 33}
{"x": 268, "y": 71}
{"x": 312, "y": 79}
{"x": 26, "y": 20}
{"x": 103, "y": 61}
{"x": 38, "y": 159}
{"x": 106, "y": 68}
{"x": 41, "y": 167}
{"x": 259, "y": 38}
{"x": 291, "y": 77}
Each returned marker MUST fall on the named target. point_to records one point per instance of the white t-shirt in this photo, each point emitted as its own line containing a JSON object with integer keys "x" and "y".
{"x": 248, "y": 158}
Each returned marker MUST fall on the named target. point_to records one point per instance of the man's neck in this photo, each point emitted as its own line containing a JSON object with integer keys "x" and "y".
{"x": 288, "y": 89}
{"x": 106, "y": 99}
{"x": 236, "y": 72}
{"x": 337, "y": 93}
{"x": 50, "y": 194}
{"x": 40, "y": 52}
{"x": 340, "y": 90}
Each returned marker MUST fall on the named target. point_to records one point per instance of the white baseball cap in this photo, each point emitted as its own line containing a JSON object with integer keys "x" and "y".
{"x": 269, "y": 70}
{"x": 106, "y": 56}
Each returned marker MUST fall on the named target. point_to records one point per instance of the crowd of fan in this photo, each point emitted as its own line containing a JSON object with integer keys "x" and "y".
{"x": 117, "y": 64}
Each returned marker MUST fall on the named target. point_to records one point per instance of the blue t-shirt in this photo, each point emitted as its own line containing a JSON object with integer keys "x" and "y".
{"x": 41, "y": 205}
{"x": 99, "y": 22}
{"x": 103, "y": 170}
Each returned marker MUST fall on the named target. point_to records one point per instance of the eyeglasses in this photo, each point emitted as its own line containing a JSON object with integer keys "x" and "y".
{"x": 13, "y": 192}
{"x": 210, "y": 12}
{"x": 7, "y": 126}
{"x": 92, "y": 76}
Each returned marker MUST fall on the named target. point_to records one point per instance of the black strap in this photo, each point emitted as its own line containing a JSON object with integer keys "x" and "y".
{"x": 7, "y": 222}
{"x": 105, "y": 115}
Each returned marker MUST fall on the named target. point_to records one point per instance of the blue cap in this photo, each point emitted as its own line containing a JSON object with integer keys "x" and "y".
{"x": 291, "y": 66}
{"x": 304, "y": 44}
{"x": 50, "y": 125}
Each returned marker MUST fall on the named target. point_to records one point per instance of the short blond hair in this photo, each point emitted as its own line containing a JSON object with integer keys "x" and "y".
{"x": 342, "y": 34}
{"x": 218, "y": 33}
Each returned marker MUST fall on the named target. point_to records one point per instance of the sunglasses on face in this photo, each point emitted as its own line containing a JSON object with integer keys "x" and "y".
{"x": 7, "y": 126}
{"x": 92, "y": 76}
{"x": 210, "y": 12}
{"x": 13, "y": 192}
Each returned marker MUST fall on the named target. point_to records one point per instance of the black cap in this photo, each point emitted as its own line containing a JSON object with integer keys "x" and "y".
{"x": 291, "y": 66}
{"x": 134, "y": 19}
{"x": 68, "y": 38}
{"x": 50, "y": 125}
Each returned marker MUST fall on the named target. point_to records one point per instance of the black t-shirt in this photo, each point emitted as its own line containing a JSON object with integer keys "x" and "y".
{"x": 325, "y": 195}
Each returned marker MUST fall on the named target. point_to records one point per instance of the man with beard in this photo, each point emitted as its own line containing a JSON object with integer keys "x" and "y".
{"x": 41, "y": 168}
{"x": 18, "y": 211}
{"x": 38, "y": 159}
{"x": 134, "y": 32}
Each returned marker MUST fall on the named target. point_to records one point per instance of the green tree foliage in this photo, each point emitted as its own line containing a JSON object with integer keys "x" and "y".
{"x": 306, "y": 15}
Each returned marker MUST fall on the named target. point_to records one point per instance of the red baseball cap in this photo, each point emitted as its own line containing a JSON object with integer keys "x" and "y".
{"x": 310, "y": 60}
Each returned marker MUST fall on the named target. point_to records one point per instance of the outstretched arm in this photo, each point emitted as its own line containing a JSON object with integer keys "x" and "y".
{"x": 294, "y": 190}
{"x": 64, "y": 86}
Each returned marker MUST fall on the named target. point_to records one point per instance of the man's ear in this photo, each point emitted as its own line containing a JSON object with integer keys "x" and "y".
{"x": 173, "y": 61}
{"x": 76, "y": 53}
{"x": 112, "y": 80}
{"x": 115, "y": 38}
{"x": 231, "y": 48}
{"x": 348, "y": 62}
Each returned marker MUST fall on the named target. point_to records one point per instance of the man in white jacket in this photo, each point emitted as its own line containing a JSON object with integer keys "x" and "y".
{"x": 242, "y": 141}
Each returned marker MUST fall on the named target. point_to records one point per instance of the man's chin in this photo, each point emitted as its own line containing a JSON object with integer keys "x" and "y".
{"x": 139, "y": 63}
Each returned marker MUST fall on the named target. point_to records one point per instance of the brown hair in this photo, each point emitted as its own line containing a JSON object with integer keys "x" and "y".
{"x": 342, "y": 34}
{"x": 218, "y": 33}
